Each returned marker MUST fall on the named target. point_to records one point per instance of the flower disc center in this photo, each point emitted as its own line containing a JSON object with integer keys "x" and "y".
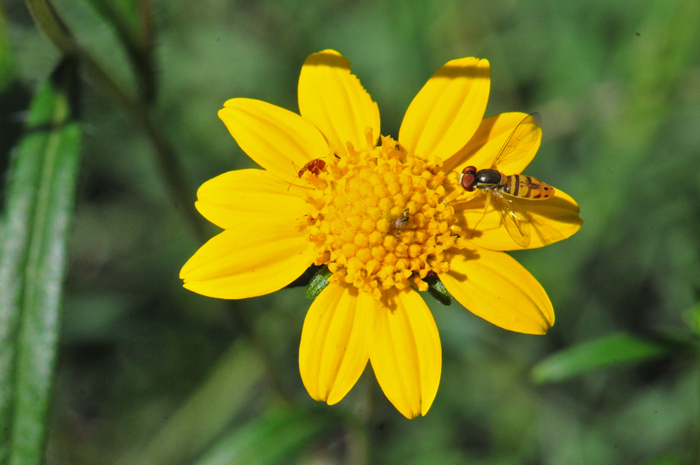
{"x": 380, "y": 220}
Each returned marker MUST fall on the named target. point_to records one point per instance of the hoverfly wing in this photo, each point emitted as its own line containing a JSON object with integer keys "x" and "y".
{"x": 513, "y": 219}
{"x": 525, "y": 135}
{"x": 544, "y": 230}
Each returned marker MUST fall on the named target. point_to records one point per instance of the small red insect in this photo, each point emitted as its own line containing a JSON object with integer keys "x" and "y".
{"x": 314, "y": 166}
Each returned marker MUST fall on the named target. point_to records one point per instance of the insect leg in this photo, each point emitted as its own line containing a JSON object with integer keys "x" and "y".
{"x": 486, "y": 206}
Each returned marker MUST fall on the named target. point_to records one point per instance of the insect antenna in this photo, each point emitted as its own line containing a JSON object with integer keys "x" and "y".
{"x": 292, "y": 183}
{"x": 301, "y": 172}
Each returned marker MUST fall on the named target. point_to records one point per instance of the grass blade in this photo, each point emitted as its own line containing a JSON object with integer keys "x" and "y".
{"x": 37, "y": 216}
{"x": 274, "y": 438}
{"x": 226, "y": 392}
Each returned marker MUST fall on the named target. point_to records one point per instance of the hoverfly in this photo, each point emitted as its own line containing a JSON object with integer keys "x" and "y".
{"x": 504, "y": 190}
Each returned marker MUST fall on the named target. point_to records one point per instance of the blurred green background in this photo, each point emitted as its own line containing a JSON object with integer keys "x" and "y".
{"x": 149, "y": 373}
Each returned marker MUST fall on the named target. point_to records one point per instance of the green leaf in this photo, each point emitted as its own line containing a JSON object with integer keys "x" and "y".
{"x": 37, "y": 217}
{"x": 318, "y": 283}
{"x": 275, "y": 438}
{"x": 609, "y": 351}
{"x": 438, "y": 290}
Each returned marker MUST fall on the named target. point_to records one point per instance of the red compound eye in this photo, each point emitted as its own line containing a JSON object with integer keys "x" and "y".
{"x": 468, "y": 178}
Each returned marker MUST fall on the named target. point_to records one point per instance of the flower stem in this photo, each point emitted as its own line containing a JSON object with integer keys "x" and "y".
{"x": 50, "y": 23}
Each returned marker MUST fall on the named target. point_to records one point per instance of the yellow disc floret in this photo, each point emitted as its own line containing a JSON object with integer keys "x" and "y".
{"x": 380, "y": 218}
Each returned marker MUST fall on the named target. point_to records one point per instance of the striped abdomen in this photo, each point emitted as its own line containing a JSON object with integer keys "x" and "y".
{"x": 526, "y": 187}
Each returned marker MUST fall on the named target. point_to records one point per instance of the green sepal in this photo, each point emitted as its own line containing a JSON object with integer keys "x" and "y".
{"x": 318, "y": 282}
{"x": 438, "y": 290}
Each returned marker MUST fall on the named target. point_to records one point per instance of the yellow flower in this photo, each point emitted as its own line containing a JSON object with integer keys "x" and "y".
{"x": 381, "y": 217}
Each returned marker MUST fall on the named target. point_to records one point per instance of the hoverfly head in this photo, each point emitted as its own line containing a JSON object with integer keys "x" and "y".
{"x": 468, "y": 178}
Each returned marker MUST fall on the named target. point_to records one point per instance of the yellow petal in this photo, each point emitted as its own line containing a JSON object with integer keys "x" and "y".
{"x": 334, "y": 100}
{"x": 550, "y": 221}
{"x": 280, "y": 141}
{"x": 448, "y": 109}
{"x": 495, "y": 287}
{"x": 487, "y": 143}
{"x": 256, "y": 258}
{"x": 239, "y": 197}
{"x": 333, "y": 351}
{"x": 405, "y": 352}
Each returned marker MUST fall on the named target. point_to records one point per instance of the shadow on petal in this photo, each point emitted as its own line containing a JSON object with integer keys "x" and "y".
{"x": 495, "y": 287}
